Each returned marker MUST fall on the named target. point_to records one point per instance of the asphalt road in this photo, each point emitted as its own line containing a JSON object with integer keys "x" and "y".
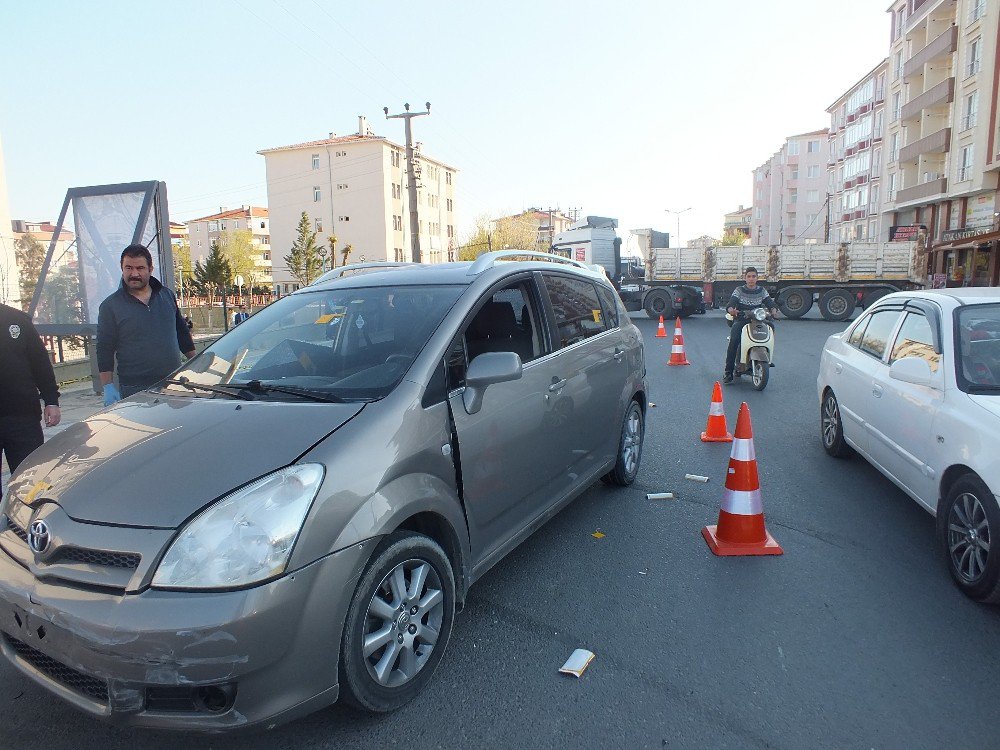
{"x": 855, "y": 638}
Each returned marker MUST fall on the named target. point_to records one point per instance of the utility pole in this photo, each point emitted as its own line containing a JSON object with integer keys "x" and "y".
{"x": 411, "y": 187}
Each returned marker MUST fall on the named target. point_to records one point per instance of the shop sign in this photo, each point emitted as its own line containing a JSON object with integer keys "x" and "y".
{"x": 905, "y": 233}
{"x": 979, "y": 211}
{"x": 953, "y": 235}
{"x": 939, "y": 280}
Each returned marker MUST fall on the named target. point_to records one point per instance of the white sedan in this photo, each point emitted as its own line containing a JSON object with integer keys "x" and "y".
{"x": 913, "y": 385}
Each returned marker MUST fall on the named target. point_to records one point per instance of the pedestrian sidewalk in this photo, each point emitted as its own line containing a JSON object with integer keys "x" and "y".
{"x": 77, "y": 401}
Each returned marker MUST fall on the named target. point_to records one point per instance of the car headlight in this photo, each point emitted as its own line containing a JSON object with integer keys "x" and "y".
{"x": 245, "y": 537}
{"x": 760, "y": 313}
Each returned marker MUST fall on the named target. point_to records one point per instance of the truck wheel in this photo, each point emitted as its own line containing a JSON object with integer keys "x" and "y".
{"x": 657, "y": 304}
{"x": 873, "y": 295}
{"x": 795, "y": 302}
{"x": 836, "y": 304}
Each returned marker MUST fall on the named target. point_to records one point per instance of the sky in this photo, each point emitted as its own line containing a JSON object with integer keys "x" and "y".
{"x": 636, "y": 110}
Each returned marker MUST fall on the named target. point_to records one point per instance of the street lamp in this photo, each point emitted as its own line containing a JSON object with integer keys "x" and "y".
{"x": 322, "y": 258}
{"x": 678, "y": 214}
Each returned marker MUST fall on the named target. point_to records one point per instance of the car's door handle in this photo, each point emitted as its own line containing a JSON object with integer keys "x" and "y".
{"x": 619, "y": 354}
{"x": 877, "y": 391}
{"x": 557, "y": 385}
{"x": 838, "y": 368}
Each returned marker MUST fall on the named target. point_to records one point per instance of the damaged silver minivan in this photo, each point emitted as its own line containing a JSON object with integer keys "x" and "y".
{"x": 296, "y": 514}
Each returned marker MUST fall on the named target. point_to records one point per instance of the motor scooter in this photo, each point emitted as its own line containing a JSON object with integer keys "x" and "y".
{"x": 756, "y": 354}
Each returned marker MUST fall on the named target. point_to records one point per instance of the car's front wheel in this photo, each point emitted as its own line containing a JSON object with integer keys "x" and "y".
{"x": 970, "y": 517}
{"x": 832, "y": 428}
{"x": 398, "y": 623}
{"x": 629, "y": 448}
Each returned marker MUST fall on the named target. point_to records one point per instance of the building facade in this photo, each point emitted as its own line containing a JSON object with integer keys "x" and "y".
{"x": 943, "y": 150}
{"x": 857, "y": 126}
{"x": 790, "y": 199}
{"x": 738, "y": 221}
{"x": 355, "y": 188}
{"x": 202, "y": 232}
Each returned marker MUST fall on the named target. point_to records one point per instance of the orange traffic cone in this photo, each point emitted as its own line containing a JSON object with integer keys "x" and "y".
{"x": 741, "y": 529}
{"x": 661, "y": 332}
{"x": 716, "y": 430}
{"x": 677, "y": 350}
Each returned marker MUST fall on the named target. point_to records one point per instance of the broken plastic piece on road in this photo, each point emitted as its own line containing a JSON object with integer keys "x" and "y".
{"x": 659, "y": 495}
{"x": 598, "y": 535}
{"x": 577, "y": 662}
{"x": 696, "y": 477}
{"x": 652, "y": 405}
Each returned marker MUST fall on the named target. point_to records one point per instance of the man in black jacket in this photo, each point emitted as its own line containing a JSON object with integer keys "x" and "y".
{"x": 141, "y": 327}
{"x": 25, "y": 374}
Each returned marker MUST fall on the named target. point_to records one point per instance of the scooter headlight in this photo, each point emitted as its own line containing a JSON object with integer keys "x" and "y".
{"x": 760, "y": 313}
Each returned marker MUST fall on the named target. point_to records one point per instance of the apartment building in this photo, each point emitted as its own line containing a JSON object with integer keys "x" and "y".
{"x": 10, "y": 293}
{"x": 943, "y": 151}
{"x": 790, "y": 192}
{"x": 547, "y": 223}
{"x": 857, "y": 125}
{"x": 202, "y": 232}
{"x": 738, "y": 221}
{"x": 355, "y": 188}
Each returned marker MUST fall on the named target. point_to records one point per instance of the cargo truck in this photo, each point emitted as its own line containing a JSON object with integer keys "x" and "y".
{"x": 837, "y": 277}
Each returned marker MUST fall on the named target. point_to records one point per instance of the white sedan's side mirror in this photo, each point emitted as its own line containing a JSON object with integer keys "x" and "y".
{"x": 914, "y": 370}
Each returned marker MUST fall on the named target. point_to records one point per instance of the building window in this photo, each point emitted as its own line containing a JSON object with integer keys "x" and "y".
{"x": 266, "y": 255}
{"x": 343, "y": 218}
{"x": 451, "y": 230}
{"x": 448, "y": 204}
{"x": 263, "y": 225}
{"x": 793, "y": 148}
{"x": 965, "y": 166}
{"x": 341, "y": 186}
{"x": 315, "y": 160}
{"x": 447, "y": 178}
{"x": 975, "y": 55}
{"x": 222, "y": 226}
{"x": 894, "y": 116}
{"x": 213, "y": 226}
{"x": 394, "y": 157}
{"x": 812, "y": 196}
{"x": 897, "y": 65}
{"x": 812, "y": 170}
{"x": 319, "y": 225}
{"x": 793, "y": 195}
{"x": 890, "y": 190}
{"x": 969, "y": 111}
{"x": 316, "y": 194}
{"x": 794, "y": 174}
{"x": 758, "y": 213}
{"x": 812, "y": 147}
{"x": 977, "y": 11}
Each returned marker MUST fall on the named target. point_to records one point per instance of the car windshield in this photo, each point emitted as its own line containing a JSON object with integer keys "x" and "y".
{"x": 978, "y": 343}
{"x": 327, "y": 345}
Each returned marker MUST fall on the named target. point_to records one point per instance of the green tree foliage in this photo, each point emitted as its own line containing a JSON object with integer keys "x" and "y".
{"x": 214, "y": 274}
{"x": 346, "y": 253}
{"x": 732, "y": 237}
{"x": 508, "y": 232}
{"x": 29, "y": 254}
{"x": 183, "y": 268}
{"x": 304, "y": 262}
{"x": 332, "y": 239}
{"x": 241, "y": 254}
{"x": 61, "y": 297}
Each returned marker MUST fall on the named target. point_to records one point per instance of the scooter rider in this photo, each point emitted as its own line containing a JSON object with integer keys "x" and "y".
{"x": 746, "y": 297}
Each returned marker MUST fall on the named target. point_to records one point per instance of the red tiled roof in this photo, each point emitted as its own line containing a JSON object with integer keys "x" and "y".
{"x": 328, "y": 142}
{"x": 257, "y": 212}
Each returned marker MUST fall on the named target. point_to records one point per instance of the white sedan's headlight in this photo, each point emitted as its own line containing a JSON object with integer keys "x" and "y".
{"x": 244, "y": 538}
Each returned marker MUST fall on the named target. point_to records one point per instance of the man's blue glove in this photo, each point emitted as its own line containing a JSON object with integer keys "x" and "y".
{"x": 111, "y": 394}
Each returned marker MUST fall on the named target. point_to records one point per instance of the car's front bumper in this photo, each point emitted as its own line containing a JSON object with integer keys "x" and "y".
{"x": 265, "y": 655}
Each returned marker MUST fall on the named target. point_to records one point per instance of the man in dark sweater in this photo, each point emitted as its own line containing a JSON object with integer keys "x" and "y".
{"x": 744, "y": 298}
{"x": 26, "y": 373}
{"x": 141, "y": 326}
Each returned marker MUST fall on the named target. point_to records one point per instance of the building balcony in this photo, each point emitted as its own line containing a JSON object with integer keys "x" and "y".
{"x": 935, "y": 143}
{"x": 944, "y": 44}
{"x": 924, "y": 190}
{"x": 942, "y": 93}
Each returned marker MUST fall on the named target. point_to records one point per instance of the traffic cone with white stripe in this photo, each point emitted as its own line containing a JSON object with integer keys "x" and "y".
{"x": 661, "y": 332}
{"x": 741, "y": 529}
{"x": 716, "y": 430}
{"x": 677, "y": 356}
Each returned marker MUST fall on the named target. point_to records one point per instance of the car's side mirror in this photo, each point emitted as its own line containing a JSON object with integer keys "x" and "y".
{"x": 484, "y": 371}
{"x": 914, "y": 370}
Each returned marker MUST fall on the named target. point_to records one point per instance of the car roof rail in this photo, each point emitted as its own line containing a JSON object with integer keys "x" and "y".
{"x": 336, "y": 273}
{"x": 488, "y": 260}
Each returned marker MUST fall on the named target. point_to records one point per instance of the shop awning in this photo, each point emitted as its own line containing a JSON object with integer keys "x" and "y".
{"x": 978, "y": 239}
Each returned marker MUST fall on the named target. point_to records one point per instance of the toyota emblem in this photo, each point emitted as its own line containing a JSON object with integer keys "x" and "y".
{"x": 39, "y": 536}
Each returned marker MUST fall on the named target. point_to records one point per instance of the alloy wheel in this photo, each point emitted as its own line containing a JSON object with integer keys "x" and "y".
{"x": 632, "y": 440}
{"x": 968, "y": 537}
{"x": 831, "y": 421}
{"x": 403, "y": 622}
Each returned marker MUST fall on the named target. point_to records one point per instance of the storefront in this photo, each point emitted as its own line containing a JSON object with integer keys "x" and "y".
{"x": 967, "y": 257}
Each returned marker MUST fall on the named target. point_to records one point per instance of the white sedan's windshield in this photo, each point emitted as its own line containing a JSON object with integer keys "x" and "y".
{"x": 336, "y": 343}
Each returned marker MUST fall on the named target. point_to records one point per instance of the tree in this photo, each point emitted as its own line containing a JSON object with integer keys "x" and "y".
{"x": 61, "y": 298}
{"x": 303, "y": 262}
{"x": 212, "y": 275}
{"x": 346, "y": 252}
{"x": 183, "y": 270}
{"x": 515, "y": 232}
{"x": 29, "y": 254}
{"x": 332, "y": 239}
{"x": 732, "y": 237}
{"x": 241, "y": 254}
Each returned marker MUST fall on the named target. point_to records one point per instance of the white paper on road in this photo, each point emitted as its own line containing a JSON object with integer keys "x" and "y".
{"x": 577, "y": 662}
